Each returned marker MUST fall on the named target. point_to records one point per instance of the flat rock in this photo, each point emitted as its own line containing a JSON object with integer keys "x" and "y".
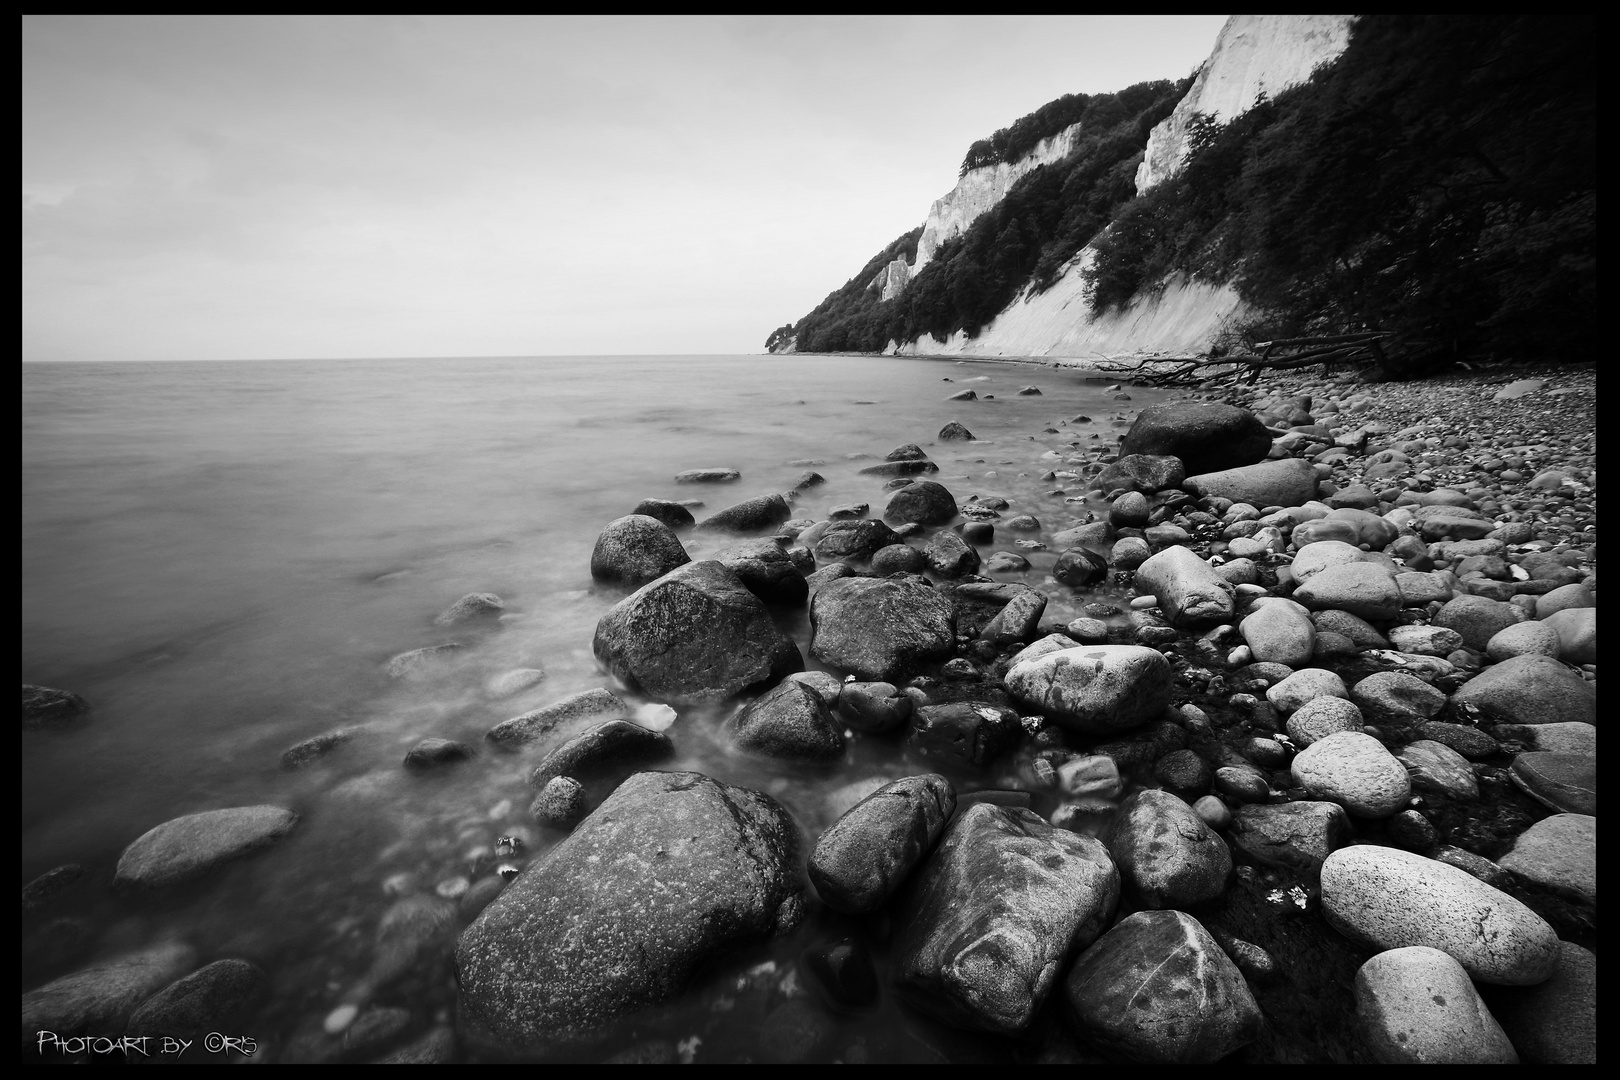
{"x": 188, "y": 848}
{"x": 1321, "y": 717}
{"x": 1385, "y": 898}
{"x": 708, "y": 476}
{"x": 1361, "y": 588}
{"x": 673, "y": 871}
{"x": 1417, "y": 1006}
{"x": 985, "y": 927}
{"x": 471, "y": 607}
{"x": 1158, "y": 988}
{"x": 867, "y": 854}
{"x": 1396, "y": 696}
{"x": 1187, "y": 588}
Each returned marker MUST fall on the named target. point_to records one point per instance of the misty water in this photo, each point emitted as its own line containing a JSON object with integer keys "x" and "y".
{"x": 222, "y": 557}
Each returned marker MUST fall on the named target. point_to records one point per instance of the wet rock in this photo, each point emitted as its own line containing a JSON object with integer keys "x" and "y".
{"x": 1428, "y": 640}
{"x": 437, "y": 1047}
{"x": 39, "y": 893}
{"x": 421, "y": 663}
{"x": 1520, "y": 639}
{"x": 1095, "y": 689}
{"x": 1565, "y": 782}
{"x": 694, "y": 635}
{"x": 881, "y": 629}
{"x": 188, "y": 848}
{"x": 512, "y": 682}
{"x": 857, "y": 540}
{"x": 1146, "y": 473}
{"x": 708, "y": 476}
{"x": 216, "y": 997}
{"x": 901, "y": 467}
{"x": 874, "y": 706}
{"x": 1394, "y": 696}
{"x": 1183, "y": 772}
{"x": 634, "y": 550}
{"x": 866, "y": 855}
{"x": 671, "y": 872}
{"x": 844, "y": 973}
{"x": 954, "y": 432}
{"x": 962, "y": 734}
{"x": 1296, "y": 835}
{"x": 670, "y": 513}
{"x": 898, "y": 559}
{"x": 617, "y": 745}
{"x": 560, "y": 804}
{"x": 99, "y": 1000}
{"x": 1577, "y": 634}
{"x": 790, "y": 721}
{"x": 921, "y": 501}
{"x": 469, "y": 608}
{"x": 586, "y": 707}
{"x": 1189, "y": 591}
{"x": 1417, "y": 1006}
{"x": 1304, "y": 686}
{"x": 1384, "y": 898}
{"x": 1166, "y": 853}
{"x": 1439, "y": 770}
{"x": 1471, "y": 743}
{"x": 949, "y": 555}
{"x": 1214, "y": 436}
{"x": 765, "y": 569}
{"x": 989, "y": 919}
{"x": 1354, "y": 770}
{"x": 1158, "y": 988}
{"x": 1567, "y": 738}
{"x": 751, "y": 515}
{"x": 431, "y": 753}
{"x": 42, "y": 706}
{"x": 313, "y": 749}
{"x": 1017, "y": 620}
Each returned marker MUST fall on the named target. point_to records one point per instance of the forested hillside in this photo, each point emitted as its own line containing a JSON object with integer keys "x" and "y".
{"x": 1437, "y": 180}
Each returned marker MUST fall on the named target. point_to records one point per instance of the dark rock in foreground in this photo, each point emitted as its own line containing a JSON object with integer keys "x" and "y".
{"x": 672, "y": 871}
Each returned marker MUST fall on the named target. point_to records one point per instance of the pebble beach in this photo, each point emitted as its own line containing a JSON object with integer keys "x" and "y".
{"x": 1319, "y": 739}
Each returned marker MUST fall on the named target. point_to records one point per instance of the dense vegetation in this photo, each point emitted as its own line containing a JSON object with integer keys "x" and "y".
{"x": 1045, "y": 219}
{"x": 1438, "y": 180}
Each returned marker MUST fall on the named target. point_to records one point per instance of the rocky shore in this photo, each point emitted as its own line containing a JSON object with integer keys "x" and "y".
{"x": 1312, "y": 778}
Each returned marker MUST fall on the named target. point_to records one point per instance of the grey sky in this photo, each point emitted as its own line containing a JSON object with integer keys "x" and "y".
{"x": 302, "y": 186}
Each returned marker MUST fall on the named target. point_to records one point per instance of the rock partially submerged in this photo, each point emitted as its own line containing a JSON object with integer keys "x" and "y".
{"x": 671, "y": 872}
{"x": 187, "y": 848}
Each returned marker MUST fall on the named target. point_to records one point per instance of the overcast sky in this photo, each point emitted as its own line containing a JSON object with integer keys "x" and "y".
{"x": 313, "y": 186}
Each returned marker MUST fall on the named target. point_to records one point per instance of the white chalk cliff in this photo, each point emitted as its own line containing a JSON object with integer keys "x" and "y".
{"x": 1253, "y": 54}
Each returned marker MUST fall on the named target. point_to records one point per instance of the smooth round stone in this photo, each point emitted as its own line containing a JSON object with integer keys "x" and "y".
{"x": 1565, "y": 782}
{"x": 1411, "y": 831}
{"x": 1099, "y": 689}
{"x": 187, "y": 848}
{"x": 1319, "y": 718}
{"x": 1530, "y": 690}
{"x": 1570, "y": 738}
{"x": 1314, "y": 558}
{"x": 1385, "y": 898}
{"x": 1212, "y": 812}
{"x": 1088, "y": 631}
{"x": 1477, "y": 618}
{"x": 1416, "y": 1005}
{"x": 1354, "y": 770}
{"x": 1279, "y": 633}
{"x": 1563, "y": 597}
{"x": 866, "y": 855}
{"x": 1303, "y": 686}
{"x": 1129, "y": 552}
{"x": 1577, "y": 634}
{"x": 1242, "y": 783}
{"x": 1558, "y": 853}
{"x": 1523, "y": 639}
{"x": 1438, "y": 769}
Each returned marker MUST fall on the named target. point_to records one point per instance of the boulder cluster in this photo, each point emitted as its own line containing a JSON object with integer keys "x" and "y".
{"x": 1321, "y": 786}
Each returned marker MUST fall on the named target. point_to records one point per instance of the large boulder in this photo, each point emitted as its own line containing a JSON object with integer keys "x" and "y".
{"x": 695, "y": 635}
{"x": 1284, "y": 482}
{"x": 988, "y": 921}
{"x": 1157, "y": 988}
{"x": 671, "y": 872}
{"x": 867, "y": 854}
{"x": 181, "y": 851}
{"x": 1385, "y": 898}
{"x": 636, "y": 549}
{"x": 881, "y": 629}
{"x": 1209, "y": 435}
{"x": 1094, "y": 689}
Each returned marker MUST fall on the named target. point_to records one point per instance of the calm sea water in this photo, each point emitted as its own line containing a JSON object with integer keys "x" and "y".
{"x": 221, "y": 557}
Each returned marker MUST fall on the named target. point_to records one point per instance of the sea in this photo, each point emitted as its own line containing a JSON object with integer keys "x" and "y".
{"x": 222, "y": 557}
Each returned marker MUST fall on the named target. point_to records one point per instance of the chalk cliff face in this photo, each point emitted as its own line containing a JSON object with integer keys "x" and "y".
{"x": 977, "y": 191}
{"x": 1255, "y": 54}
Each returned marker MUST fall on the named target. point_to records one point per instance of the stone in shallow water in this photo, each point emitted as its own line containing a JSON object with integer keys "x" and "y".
{"x": 880, "y": 629}
{"x": 1158, "y": 988}
{"x": 1565, "y": 782}
{"x": 188, "y": 848}
{"x": 1558, "y": 853}
{"x": 1296, "y": 835}
{"x": 43, "y": 706}
{"x": 588, "y": 706}
{"x": 671, "y": 872}
{"x": 792, "y": 722}
{"x": 212, "y": 998}
{"x": 866, "y": 855}
{"x": 617, "y": 744}
{"x": 470, "y": 607}
{"x": 988, "y": 921}
{"x": 99, "y": 1000}
{"x": 1438, "y": 769}
{"x": 1417, "y": 1006}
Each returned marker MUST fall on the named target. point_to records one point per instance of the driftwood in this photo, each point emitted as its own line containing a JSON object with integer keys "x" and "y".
{"x": 1284, "y": 354}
